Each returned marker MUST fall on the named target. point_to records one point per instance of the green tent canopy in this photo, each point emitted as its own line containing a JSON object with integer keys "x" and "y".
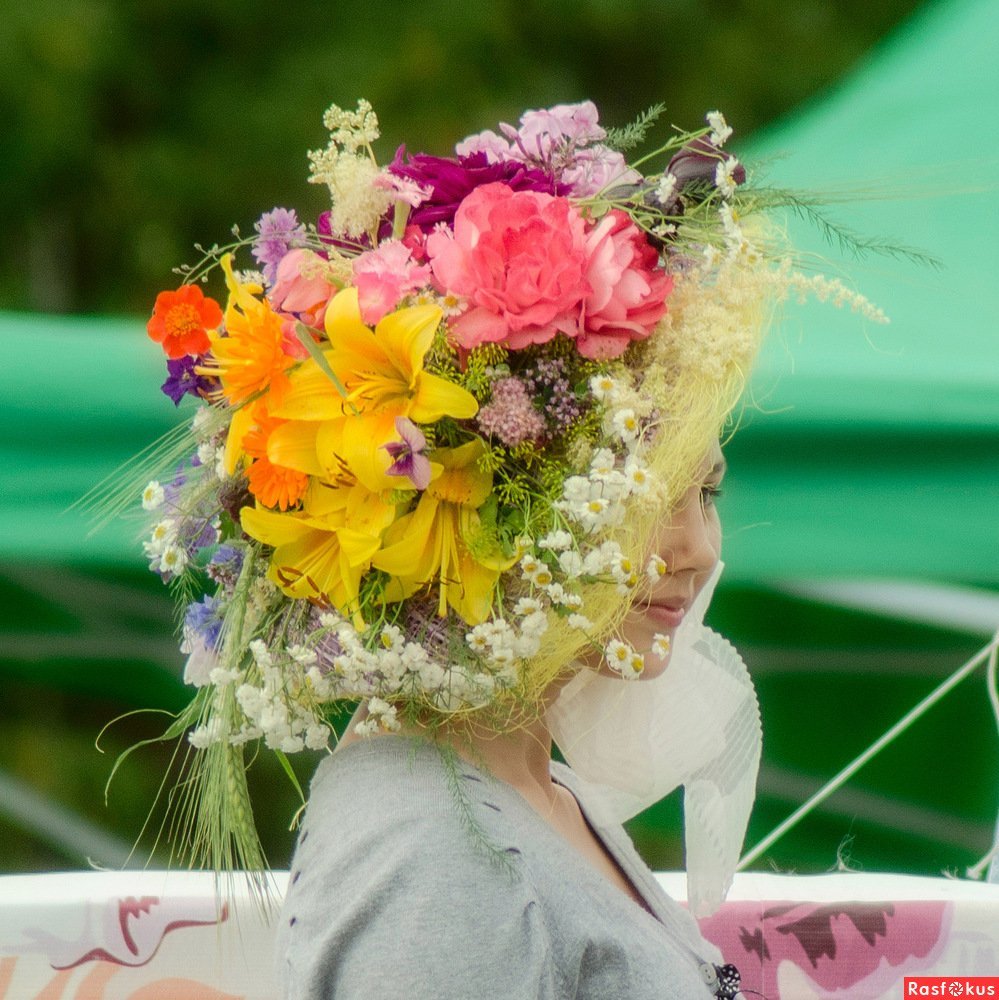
{"x": 873, "y": 449}
{"x": 867, "y": 451}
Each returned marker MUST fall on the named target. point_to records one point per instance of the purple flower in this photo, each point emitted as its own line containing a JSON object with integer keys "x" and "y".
{"x": 204, "y": 618}
{"x": 279, "y": 231}
{"x": 407, "y": 455}
{"x": 695, "y": 165}
{"x": 224, "y": 566}
{"x": 451, "y": 180}
{"x": 548, "y": 383}
{"x": 184, "y": 380}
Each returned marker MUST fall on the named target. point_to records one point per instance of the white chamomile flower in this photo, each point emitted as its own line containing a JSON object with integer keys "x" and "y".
{"x": 571, "y": 563}
{"x": 720, "y": 129}
{"x": 637, "y": 478}
{"x": 603, "y": 387}
{"x": 163, "y": 534}
{"x": 152, "y": 496}
{"x": 527, "y": 606}
{"x": 529, "y": 565}
{"x": 173, "y": 560}
{"x": 602, "y": 463}
{"x": 580, "y": 622}
{"x": 557, "y": 541}
{"x": 661, "y": 645}
{"x": 626, "y": 424}
{"x": 618, "y": 655}
{"x": 725, "y": 176}
{"x": 655, "y": 568}
{"x": 477, "y": 640}
{"x": 635, "y": 667}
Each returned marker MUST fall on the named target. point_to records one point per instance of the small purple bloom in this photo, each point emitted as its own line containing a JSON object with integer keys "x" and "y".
{"x": 204, "y": 617}
{"x": 279, "y": 231}
{"x": 451, "y": 180}
{"x": 183, "y": 380}
{"x": 407, "y": 455}
{"x": 224, "y": 566}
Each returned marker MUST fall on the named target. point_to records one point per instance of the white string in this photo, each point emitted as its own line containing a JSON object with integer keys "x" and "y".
{"x": 978, "y": 869}
{"x": 907, "y": 720}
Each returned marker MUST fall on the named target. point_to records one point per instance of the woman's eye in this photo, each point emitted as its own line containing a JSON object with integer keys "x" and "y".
{"x": 710, "y": 492}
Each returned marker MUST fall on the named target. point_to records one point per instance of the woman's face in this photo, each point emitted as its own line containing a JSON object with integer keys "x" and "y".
{"x": 689, "y": 542}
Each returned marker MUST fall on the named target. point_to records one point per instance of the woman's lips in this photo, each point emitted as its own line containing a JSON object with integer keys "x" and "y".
{"x": 668, "y": 615}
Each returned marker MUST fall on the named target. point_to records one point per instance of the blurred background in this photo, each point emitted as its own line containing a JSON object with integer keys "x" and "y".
{"x": 860, "y": 509}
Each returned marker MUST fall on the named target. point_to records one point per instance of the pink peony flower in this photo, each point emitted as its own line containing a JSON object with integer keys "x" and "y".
{"x": 519, "y": 259}
{"x": 383, "y": 276}
{"x": 628, "y": 290}
{"x": 301, "y": 287}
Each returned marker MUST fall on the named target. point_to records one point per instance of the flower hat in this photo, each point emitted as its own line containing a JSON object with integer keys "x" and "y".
{"x": 437, "y": 428}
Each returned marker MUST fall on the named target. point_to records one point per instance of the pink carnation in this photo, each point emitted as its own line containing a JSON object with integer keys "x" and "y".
{"x": 628, "y": 289}
{"x": 519, "y": 258}
{"x": 383, "y": 276}
{"x": 301, "y": 287}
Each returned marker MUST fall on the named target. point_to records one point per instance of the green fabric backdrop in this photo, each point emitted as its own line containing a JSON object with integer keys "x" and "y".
{"x": 876, "y": 457}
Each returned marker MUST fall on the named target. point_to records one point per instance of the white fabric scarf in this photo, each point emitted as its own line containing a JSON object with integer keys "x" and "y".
{"x": 696, "y": 725}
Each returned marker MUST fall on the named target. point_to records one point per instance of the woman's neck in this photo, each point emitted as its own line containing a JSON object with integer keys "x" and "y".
{"x": 521, "y": 756}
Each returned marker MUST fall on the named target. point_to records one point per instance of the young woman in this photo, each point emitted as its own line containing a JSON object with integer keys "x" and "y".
{"x": 468, "y": 864}
{"x": 456, "y": 461}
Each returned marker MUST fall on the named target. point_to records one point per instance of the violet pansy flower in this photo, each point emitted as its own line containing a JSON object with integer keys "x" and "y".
{"x": 407, "y": 455}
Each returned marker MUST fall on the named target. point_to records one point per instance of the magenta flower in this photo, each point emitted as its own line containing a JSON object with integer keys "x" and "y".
{"x": 407, "y": 454}
{"x": 450, "y": 181}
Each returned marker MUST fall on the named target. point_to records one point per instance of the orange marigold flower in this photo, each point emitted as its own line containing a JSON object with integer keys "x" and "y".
{"x": 181, "y": 321}
{"x": 251, "y": 358}
{"x": 273, "y": 485}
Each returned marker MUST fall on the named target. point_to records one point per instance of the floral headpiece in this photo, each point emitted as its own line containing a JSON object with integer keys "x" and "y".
{"x": 438, "y": 427}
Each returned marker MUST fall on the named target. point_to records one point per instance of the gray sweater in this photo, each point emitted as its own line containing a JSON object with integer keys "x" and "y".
{"x": 418, "y": 879}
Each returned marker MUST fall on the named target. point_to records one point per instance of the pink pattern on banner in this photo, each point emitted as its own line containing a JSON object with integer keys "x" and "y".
{"x": 866, "y": 947}
{"x": 125, "y": 931}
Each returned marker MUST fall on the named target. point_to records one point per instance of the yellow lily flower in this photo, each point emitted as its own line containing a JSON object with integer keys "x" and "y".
{"x": 322, "y": 552}
{"x": 432, "y": 543}
{"x": 382, "y": 377}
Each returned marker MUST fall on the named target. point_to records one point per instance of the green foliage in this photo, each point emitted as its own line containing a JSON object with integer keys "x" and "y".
{"x": 133, "y": 130}
{"x": 633, "y": 135}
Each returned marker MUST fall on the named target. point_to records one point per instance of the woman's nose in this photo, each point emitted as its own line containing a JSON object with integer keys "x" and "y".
{"x": 693, "y": 541}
